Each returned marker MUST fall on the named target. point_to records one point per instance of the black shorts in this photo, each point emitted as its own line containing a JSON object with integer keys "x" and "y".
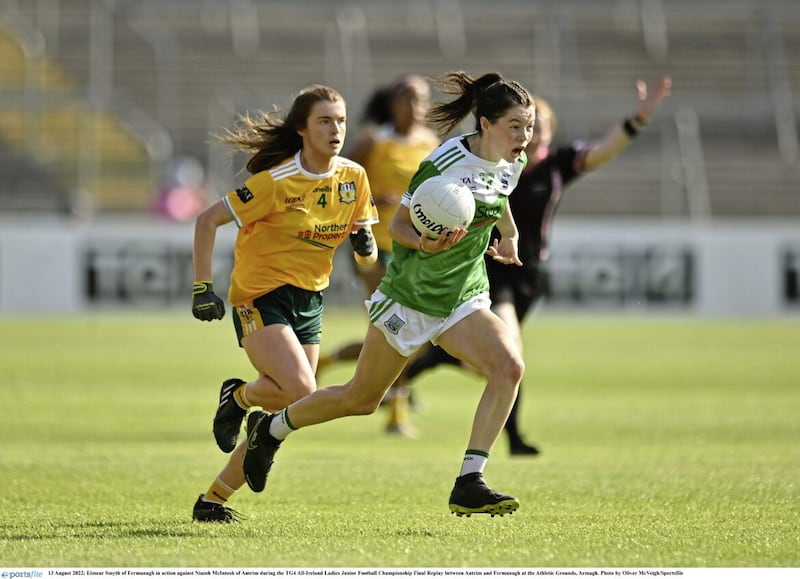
{"x": 297, "y": 308}
{"x": 522, "y": 287}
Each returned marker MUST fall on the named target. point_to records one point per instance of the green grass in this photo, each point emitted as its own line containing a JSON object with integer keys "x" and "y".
{"x": 667, "y": 443}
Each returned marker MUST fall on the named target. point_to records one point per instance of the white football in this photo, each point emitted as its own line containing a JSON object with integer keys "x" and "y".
{"x": 439, "y": 205}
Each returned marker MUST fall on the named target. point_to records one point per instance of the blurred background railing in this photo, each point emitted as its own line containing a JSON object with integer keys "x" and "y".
{"x": 99, "y": 97}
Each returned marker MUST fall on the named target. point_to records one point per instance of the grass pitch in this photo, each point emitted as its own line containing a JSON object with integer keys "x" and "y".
{"x": 667, "y": 443}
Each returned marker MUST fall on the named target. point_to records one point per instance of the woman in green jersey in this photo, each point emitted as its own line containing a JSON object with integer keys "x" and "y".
{"x": 437, "y": 291}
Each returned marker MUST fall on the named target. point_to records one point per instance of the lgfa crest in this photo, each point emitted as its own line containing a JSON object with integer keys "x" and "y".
{"x": 347, "y": 192}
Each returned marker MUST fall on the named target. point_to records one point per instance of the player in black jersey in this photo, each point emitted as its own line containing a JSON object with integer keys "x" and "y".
{"x": 515, "y": 291}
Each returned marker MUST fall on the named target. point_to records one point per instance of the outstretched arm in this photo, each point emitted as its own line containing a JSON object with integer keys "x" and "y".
{"x": 621, "y": 135}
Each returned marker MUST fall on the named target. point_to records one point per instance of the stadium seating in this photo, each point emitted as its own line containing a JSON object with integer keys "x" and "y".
{"x": 188, "y": 66}
{"x": 57, "y": 149}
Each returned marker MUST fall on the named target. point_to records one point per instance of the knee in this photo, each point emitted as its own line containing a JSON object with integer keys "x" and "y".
{"x": 518, "y": 369}
{"x": 361, "y": 407}
{"x": 508, "y": 369}
{"x": 280, "y": 394}
{"x": 355, "y": 405}
{"x": 297, "y": 390}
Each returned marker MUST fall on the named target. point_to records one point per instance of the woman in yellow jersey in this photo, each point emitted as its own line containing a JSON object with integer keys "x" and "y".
{"x": 390, "y": 149}
{"x": 391, "y": 152}
{"x": 300, "y": 203}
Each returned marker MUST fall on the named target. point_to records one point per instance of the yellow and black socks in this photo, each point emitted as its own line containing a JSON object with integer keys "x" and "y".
{"x": 398, "y": 407}
{"x": 218, "y": 492}
{"x": 240, "y": 397}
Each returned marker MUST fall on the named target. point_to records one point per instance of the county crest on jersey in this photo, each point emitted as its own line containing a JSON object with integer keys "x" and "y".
{"x": 290, "y": 223}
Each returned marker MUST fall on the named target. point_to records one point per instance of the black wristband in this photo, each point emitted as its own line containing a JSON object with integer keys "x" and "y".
{"x": 629, "y": 129}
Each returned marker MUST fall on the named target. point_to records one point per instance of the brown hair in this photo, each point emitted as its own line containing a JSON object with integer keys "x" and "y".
{"x": 271, "y": 138}
{"x": 488, "y": 96}
{"x": 379, "y": 106}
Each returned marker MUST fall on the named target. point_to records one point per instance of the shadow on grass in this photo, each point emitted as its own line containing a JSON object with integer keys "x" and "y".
{"x": 105, "y": 530}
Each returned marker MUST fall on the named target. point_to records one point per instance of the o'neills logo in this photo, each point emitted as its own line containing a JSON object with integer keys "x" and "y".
{"x": 430, "y": 224}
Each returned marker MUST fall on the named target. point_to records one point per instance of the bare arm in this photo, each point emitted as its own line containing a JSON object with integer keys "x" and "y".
{"x": 505, "y": 249}
{"x": 617, "y": 140}
{"x": 205, "y": 235}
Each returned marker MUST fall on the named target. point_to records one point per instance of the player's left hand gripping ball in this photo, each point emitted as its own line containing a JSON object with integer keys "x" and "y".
{"x": 363, "y": 242}
{"x": 206, "y": 305}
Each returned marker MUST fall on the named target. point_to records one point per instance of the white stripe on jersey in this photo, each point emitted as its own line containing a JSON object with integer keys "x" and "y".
{"x": 284, "y": 170}
{"x": 232, "y": 212}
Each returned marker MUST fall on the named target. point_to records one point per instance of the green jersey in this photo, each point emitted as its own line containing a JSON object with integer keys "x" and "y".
{"x": 436, "y": 284}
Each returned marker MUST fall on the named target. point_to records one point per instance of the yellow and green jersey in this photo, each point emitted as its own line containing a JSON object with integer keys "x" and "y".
{"x": 391, "y": 162}
{"x": 291, "y": 222}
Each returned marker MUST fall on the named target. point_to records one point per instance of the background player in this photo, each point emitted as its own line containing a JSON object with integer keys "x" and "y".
{"x": 390, "y": 150}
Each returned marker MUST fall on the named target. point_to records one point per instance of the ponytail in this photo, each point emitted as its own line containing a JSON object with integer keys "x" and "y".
{"x": 488, "y": 96}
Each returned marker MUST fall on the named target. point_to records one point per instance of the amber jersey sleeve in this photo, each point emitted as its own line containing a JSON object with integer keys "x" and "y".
{"x": 290, "y": 223}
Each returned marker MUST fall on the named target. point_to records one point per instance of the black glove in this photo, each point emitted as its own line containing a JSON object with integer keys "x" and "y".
{"x": 363, "y": 243}
{"x": 206, "y": 305}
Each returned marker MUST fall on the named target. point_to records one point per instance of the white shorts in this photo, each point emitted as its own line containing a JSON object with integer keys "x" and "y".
{"x": 407, "y": 329}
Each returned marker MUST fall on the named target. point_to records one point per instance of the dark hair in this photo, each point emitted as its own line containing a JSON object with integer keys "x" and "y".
{"x": 379, "y": 106}
{"x": 378, "y": 109}
{"x": 271, "y": 138}
{"x": 488, "y": 96}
